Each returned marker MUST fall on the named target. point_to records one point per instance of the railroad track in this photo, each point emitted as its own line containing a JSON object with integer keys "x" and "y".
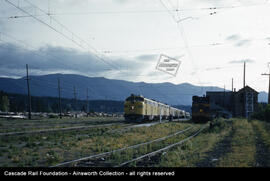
{"x": 127, "y": 126}
{"x": 162, "y": 149}
{"x": 60, "y": 129}
{"x": 98, "y": 159}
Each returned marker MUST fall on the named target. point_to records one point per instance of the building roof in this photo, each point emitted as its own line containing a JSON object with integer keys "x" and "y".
{"x": 247, "y": 88}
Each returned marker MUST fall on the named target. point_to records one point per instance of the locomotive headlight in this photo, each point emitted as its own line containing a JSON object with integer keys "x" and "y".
{"x": 201, "y": 110}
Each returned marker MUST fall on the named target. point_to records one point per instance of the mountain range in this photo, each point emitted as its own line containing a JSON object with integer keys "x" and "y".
{"x": 100, "y": 88}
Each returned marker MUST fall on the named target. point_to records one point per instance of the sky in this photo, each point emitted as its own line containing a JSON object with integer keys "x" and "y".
{"x": 123, "y": 39}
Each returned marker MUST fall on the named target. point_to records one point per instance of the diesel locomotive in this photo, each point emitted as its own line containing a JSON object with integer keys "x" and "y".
{"x": 138, "y": 108}
{"x": 201, "y": 109}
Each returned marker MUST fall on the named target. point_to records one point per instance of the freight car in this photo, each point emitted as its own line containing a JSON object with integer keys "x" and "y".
{"x": 138, "y": 108}
{"x": 201, "y": 109}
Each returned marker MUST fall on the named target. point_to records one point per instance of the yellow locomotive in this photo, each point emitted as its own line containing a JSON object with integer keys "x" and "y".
{"x": 138, "y": 108}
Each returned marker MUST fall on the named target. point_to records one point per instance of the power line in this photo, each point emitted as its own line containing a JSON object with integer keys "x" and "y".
{"x": 50, "y": 84}
{"x": 177, "y": 10}
{"x": 53, "y": 84}
{"x": 180, "y": 28}
{"x": 35, "y": 51}
{"x": 74, "y": 38}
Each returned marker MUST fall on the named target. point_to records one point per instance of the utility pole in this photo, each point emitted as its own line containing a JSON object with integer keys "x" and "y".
{"x": 224, "y": 96}
{"x": 268, "y": 83}
{"x": 268, "y": 88}
{"x": 29, "y": 96}
{"x": 232, "y": 101}
{"x": 59, "y": 99}
{"x": 75, "y": 101}
{"x": 87, "y": 103}
{"x": 232, "y": 84}
{"x": 244, "y": 81}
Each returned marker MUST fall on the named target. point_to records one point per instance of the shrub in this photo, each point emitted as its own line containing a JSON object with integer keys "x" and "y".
{"x": 52, "y": 157}
{"x": 263, "y": 113}
{"x": 218, "y": 125}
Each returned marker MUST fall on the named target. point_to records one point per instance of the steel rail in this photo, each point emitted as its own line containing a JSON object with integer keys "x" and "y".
{"x": 74, "y": 127}
{"x": 162, "y": 149}
{"x": 121, "y": 149}
{"x": 58, "y": 129}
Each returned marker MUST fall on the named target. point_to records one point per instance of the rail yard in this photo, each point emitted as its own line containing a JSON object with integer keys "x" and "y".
{"x": 95, "y": 88}
{"x": 112, "y": 142}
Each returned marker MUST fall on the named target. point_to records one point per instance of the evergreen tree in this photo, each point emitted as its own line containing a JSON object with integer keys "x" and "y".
{"x": 4, "y": 103}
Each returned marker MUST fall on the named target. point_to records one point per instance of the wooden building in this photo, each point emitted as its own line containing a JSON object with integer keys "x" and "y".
{"x": 238, "y": 104}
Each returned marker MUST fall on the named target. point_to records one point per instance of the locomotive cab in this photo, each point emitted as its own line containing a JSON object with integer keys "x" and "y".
{"x": 201, "y": 109}
{"x": 133, "y": 108}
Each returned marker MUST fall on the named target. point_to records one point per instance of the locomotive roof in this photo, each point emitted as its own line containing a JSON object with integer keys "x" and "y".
{"x": 148, "y": 99}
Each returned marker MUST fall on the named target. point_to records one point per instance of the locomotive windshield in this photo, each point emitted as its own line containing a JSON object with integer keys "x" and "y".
{"x": 135, "y": 98}
{"x": 201, "y": 100}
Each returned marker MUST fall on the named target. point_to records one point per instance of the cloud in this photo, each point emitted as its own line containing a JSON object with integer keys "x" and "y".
{"x": 50, "y": 59}
{"x": 233, "y": 37}
{"x": 243, "y": 42}
{"x": 213, "y": 68}
{"x": 121, "y": 1}
{"x": 239, "y": 42}
{"x": 241, "y": 61}
{"x": 147, "y": 57}
{"x": 178, "y": 57}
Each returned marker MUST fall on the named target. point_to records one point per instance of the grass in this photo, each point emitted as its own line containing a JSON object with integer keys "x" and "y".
{"x": 47, "y": 149}
{"x": 240, "y": 146}
{"x": 35, "y": 147}
{"x": 262, "y": 130}
{"x": 18, "y": 125}
{"x": 194, "y": 151}
{"x": 243, "y": 147}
